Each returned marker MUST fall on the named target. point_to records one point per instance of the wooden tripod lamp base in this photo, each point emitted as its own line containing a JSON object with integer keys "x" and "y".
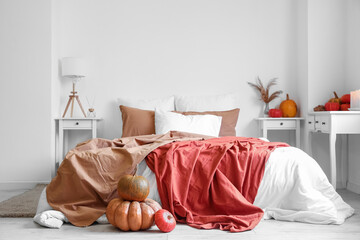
{"x": 72, "y": 98}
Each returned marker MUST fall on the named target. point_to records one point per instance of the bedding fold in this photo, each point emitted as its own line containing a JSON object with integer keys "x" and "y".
{"x": 87, "y": 178}
{"x": 212, "y": 183}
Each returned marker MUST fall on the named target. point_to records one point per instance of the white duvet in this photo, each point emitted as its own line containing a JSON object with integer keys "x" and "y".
{"x": 294, "y": 188}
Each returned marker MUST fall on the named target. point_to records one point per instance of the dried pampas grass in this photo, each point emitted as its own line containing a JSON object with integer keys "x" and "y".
{"x": 264, "y": 92}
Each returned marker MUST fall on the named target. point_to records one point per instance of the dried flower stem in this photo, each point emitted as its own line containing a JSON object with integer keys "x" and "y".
{"x": 264, "y": 92}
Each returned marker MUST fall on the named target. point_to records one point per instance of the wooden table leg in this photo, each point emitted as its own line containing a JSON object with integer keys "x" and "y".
{"x": 72, "y": 106}
{"x": 67, "y": 106}
{"x": 332, "y": 141}
{"x": 82, "y": 109}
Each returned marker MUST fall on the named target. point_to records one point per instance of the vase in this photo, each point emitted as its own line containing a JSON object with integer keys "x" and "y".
{"x": 266, "y": 110}
{"x": 91, "y": 113}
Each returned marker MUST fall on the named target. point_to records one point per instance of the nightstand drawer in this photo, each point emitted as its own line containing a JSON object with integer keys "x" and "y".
{"x": 322, "y": 124}
{"x": 325, "y": 124}
{"x": 311, "y": 123}
{"x": 278, "y": 124}
{"x": 76, "y": 124}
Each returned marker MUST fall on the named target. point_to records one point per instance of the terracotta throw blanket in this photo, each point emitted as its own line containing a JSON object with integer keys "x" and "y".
{"x": 212, "y": 183}
{"x": 87, "y": 178}
{"x": 206, "y": 184}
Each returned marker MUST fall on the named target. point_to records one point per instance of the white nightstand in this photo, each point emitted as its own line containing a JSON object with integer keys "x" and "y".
{"x": 71, "y": 124}
{"x": 267, "y": 123}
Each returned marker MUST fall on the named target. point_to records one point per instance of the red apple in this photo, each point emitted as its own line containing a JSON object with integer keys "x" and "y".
{"x": 344, "y": 107}
{"x": 164, "y": 220}
{"x": 275, "y": 113}
{"x": 345, "y": 98}
{"x": 332, "y": 106}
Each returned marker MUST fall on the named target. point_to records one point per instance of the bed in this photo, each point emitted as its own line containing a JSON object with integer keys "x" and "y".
{"x": 290, "y": 185}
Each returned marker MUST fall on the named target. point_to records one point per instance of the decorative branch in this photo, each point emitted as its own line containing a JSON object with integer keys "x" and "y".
{"x": 264, "y": 92}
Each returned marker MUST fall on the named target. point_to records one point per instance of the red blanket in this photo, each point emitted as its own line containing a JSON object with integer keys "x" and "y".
{"x": 212, "y": 183}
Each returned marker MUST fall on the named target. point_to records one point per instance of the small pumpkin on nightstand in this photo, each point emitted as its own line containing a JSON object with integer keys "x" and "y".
{"x": 345, "y": 102}
{"x": 335, "y": 99}
{"x": 332, "y": 106}
{"x": 345, "y": 99}
{"x": 275, "y": 113}
{"x": 288, "y": 107}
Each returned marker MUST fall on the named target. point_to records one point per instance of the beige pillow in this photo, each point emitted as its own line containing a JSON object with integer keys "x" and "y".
{"x": 228, "y": 123}
{"x": 138, "y": 122}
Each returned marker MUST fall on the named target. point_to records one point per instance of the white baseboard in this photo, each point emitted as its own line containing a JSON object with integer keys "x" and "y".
{"x": 353, "y": 187}
{"x": 340, "y": 185}
{"x": 20, "y": 185}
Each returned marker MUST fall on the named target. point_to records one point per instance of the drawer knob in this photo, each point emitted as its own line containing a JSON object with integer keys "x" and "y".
{"x": 323, "y": 123}
{"x": 317, "y": 122}
{"x": 310, "y": 122}
{"x": 281, "y": 124}
{"x": 77, "y": 123}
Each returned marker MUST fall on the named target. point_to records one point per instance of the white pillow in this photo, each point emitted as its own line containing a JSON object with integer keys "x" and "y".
{"x": 221, "y": 102}
{"x": 166, "y": 104}
{"x": 201, "y": 124}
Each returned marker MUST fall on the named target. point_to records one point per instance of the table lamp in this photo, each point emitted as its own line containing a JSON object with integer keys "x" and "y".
{"x": 74, "y": 69}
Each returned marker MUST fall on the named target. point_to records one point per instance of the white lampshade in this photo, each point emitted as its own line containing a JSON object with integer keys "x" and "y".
{"x": 73, "y": 67}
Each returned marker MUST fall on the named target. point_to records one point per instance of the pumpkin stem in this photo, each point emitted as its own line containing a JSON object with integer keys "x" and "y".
{"x": 287, "y": 96}
{"x": 336, "y": 96}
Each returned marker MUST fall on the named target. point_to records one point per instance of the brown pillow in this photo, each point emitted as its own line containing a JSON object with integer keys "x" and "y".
{"x": 228, "y": 122}
{"x": 137, "y": 122}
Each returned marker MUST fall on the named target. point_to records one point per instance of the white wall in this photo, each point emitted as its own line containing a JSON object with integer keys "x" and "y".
{"x": 25, "y": 81}
{"x": 326, "y": 50}
{"x": 206, "y": 47}
{"x": 302, "y": 82}
{"x": 147, "y": 49}
{"x": 353, "y": 83}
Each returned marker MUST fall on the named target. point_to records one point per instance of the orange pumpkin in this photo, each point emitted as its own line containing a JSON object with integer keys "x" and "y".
{"x": 335, "y": 99}
{"x": 288, "y": 107}
{"x": 133, "y": 188}
{"x": 133, "y": 216}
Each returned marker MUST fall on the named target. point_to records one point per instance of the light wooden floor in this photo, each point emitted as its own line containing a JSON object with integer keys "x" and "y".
{"x": 25, "y": 228}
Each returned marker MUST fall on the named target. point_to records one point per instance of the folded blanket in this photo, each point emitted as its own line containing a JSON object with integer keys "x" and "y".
{"x": 87, "y": 178}
{"x": 212, "y": 183}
